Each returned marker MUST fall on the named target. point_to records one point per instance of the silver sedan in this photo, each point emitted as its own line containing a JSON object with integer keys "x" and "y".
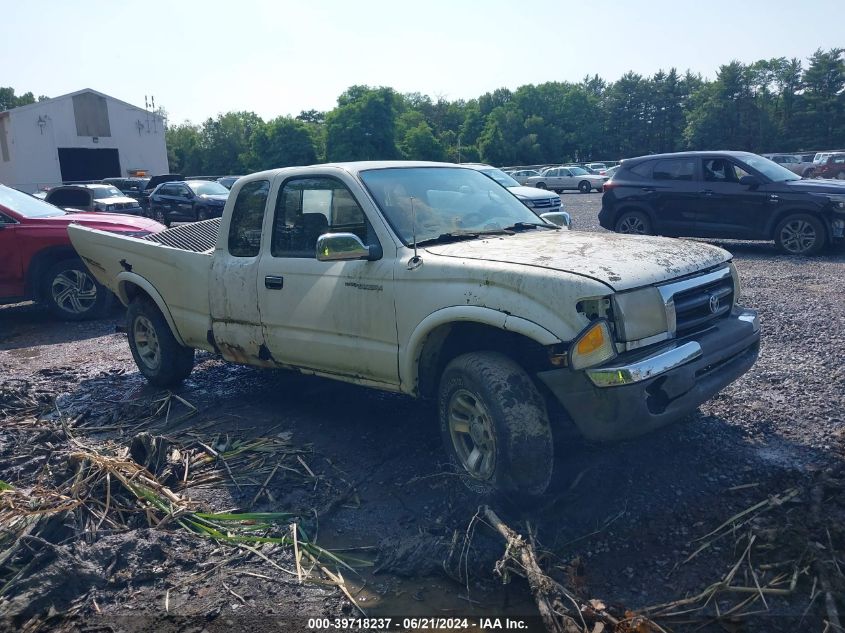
{"x": 561, "y": 178}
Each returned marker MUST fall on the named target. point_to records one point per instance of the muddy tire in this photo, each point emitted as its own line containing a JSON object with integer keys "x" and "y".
{"x": 71, "y": 292}
{"x": 800, "y": 234}
{"x": 494, "y": 425}
{"x": 159, "y": 356}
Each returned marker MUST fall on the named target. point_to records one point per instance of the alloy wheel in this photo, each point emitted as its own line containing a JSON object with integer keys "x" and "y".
{"x": 798, "y": 236}
{"x": 74, "y": 291}
{"x": 471, "y": 430}
{"x": 632, "y": 224}
{"x": 146, "y": 342}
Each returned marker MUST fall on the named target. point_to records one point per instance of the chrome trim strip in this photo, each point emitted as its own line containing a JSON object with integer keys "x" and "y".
{"x": 670, "y": 289}
{"x": 644, "y": 369}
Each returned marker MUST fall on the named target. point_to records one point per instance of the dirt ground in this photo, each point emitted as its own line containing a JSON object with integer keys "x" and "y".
{"x": 747, "y": 492}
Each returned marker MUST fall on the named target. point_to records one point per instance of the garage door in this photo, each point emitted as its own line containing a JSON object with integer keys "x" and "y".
{"x": 80, "y": 164}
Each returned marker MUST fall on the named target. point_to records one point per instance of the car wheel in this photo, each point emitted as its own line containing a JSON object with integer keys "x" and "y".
{"x": 584, "y": 187}
{"x": 72, "y": 293}
{"x": 157, "y": 353}
{"x": 809, "y": 173}
{"x": 494, "y": 425}
{"x": 160, "y": 217}
{"x": 541, "y": 185}
{"x": 800, "y": 235}
{"x": 202, "y": 214}
{"x": 633, "y": 223}
{"x": 840, "y": 175}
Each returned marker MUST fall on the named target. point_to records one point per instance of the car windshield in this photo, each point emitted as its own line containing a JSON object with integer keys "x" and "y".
{"x": 106, "y": 192}
{"x": 501, "y": 177}
{"x": 27, "y": 205}
{"x": 207, "y": 188}
{"x": 445, "y": 201}
{"x": 578, "y": 171}
{"x": 770, "y": 169}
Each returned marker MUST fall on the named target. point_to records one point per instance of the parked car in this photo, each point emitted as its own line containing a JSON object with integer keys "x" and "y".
{"x": 529, "y": 196}
{"x": 429, "y": 280}
{"x": 131, "y": 187}
{"x": 794, "y": 163}
{"x": 228, "y": 181}
{"x": 93, "y": 197}
{"x": 833, "y": 167}
{"x": 724, "y": 194}
{"x": 188, "y": 201}
{"x": 559, "y": 179}
{"x": 598, "y": 168}
{"x": 611, "y": 171}
{"x": 37, "y": 261}
{"x": 520, "y": 175}
{"x": 152, "y": 183}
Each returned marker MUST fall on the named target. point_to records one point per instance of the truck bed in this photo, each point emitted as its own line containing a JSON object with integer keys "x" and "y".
{"x": 173, "y": 267}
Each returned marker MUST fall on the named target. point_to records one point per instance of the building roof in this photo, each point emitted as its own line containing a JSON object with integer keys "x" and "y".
{"x": 73, "y": 94}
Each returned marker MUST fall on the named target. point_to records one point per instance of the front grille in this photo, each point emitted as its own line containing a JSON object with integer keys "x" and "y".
{"x": 546, "y": 203}
{"x": 198, "y": 237}
{"x": 694, "y": 307}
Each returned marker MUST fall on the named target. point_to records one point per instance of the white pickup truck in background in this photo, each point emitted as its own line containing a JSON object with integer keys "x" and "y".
{"x": 434, "y": 281}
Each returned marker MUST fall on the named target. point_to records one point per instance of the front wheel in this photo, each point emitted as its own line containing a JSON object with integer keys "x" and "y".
{"x": 157, "y": 353}
{"x": 72, "y": 293}
{"x": 202, "y": 214}
{"x": 494, "y": 425}
{"x": 541, "y": 185}
{"x": 584, "y": 187}
{"x": 800, "y": 235}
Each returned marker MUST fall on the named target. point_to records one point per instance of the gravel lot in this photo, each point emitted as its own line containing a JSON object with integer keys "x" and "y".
{"x": 623, "y": 522}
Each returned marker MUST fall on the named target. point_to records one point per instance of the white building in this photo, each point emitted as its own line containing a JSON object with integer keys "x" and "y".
{"x": 84, "y": 135}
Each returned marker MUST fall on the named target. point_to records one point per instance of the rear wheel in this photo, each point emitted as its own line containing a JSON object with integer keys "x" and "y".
{"x": 633, "y": 223}
{"x": 160, "y": 216}
{"x": 72, "y": 293}
{"x": 800, "y": 235}
{"x": 157, "y": 353}
{"x": 584, "y": 186}
{"x": 494, "y": 425}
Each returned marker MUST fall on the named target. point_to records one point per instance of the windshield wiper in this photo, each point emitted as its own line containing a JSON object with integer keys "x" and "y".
{"x": 457, "y": 236}
{"x": 527, "y": 226}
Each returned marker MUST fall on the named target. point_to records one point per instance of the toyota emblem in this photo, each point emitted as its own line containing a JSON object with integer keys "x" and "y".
{"x": 714, "y": 304}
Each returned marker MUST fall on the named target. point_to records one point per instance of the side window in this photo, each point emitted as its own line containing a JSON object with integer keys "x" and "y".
{"x": 166, "y": 190}
{"x": 675, "y": 169}
{"x": 5, "y": 219}
{"x": 308, "y": 207}
{"x": 720, "y": 170}
{"x": 643, "y": 170}
{"x": 70, "y": 198}
{"x": 247, "y": 218}
{"x": 564, "y": 172}
{"x": 182, "y": 191}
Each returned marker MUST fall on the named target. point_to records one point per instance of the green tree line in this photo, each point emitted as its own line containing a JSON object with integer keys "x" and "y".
{"x": 774, "y": 105}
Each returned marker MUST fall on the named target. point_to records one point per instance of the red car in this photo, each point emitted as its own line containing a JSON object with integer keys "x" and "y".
{"x": 833, "y": 167}
{"x": 37, "y": 260}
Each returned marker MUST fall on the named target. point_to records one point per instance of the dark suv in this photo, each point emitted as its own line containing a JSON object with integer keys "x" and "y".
{"x": 724, "y": 194}
{"x": 188, "y": 201}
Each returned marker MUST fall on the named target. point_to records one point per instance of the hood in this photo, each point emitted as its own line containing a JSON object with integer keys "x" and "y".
{"x": 217, "y": 197}
{"x": 622, "y": 262}
{"x": 115, "y": 222}
{"x": 815, "y": 186}
{"x": 532, "y": 193}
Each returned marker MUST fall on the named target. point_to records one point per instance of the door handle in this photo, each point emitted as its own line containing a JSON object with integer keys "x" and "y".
{"x": 706, "y": 192}
{"x": 274, "y": 282}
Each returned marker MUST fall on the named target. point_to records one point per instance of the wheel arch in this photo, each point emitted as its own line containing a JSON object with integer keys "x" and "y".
{"x": 131, "y": 285}
{"x": 450, "y": 332}
{"x": 40, "y": 263}
{"x": 635, "y": 207}
{"x": 782, "y": 214}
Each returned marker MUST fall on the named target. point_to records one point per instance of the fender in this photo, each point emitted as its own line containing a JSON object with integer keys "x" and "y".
{"x": 409, "y": 357}
{"x": 126, "y": 277}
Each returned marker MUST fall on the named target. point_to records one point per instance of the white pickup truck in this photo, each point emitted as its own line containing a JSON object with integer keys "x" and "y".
{"x": 432, "y": 280}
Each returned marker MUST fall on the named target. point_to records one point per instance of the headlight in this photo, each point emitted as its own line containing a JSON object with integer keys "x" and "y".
{"x": 593, "y": 346}
{"x": 640, "y": 314}
{"x": 737, "y": 284}
{"x": 838, "y": 201}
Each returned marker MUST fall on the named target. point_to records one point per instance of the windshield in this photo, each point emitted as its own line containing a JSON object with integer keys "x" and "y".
{"x": 578, "y": 171}
{"x": 206, "y": 188}
{"x": 444, "y": 200}
{"x": 26, "y": 205}
{"x": 106, "y": 192}
{"x": 501, "y": 177}
{"x": 770, "y": 169}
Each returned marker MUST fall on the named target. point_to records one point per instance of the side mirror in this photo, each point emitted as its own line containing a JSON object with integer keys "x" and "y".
{"x": 339, "y": 247}
{"x": 561, "y": 218}
{"x": 752, "y": 182}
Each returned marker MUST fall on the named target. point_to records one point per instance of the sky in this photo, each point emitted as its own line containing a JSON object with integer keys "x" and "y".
{"x": 276, "y": 58}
